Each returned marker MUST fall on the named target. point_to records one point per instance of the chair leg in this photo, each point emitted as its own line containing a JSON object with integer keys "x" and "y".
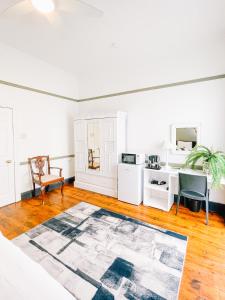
{"x": 207, "y": 210}
{"x": 43, "y": 195}
{"x": 46, "y": 189}
{"x": 185, "y": 202}
{"x": 178, "y": 203}
{"x": 34, "y": 194}
{"x": 62, "y": 188}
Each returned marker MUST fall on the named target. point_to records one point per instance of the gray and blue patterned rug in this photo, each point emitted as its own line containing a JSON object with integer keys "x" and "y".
{"x": 101, "y": 255}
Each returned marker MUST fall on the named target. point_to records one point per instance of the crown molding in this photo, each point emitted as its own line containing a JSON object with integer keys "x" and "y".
{"x": 23, "y": 87}
{"x": 141, "y": 90}
{"x": 154, "y": 87}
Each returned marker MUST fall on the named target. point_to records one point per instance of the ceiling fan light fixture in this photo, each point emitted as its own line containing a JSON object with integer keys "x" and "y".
{"x": 44, "y": 6}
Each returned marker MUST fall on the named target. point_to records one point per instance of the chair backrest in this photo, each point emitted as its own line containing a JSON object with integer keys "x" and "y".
{"x": 39, "y": 165}
{"x": 194, "y": 183}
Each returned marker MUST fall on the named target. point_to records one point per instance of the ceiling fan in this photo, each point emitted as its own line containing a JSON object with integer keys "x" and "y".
{"x": 50, "y": 6}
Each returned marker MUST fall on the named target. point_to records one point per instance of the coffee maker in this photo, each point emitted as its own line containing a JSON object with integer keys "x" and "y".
{"x": 153, "y": 162}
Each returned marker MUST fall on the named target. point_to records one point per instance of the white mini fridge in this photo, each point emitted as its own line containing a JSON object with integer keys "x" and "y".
{"x": 130, "y": 183}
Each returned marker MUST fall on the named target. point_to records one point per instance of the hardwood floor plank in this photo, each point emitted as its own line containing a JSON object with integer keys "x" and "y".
{"x": 204, "y": 271}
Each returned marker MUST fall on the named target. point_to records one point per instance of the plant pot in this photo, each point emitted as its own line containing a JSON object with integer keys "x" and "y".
{"x": 205, "y": 167}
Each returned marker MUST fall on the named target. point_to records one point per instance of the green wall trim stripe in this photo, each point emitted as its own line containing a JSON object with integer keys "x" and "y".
{"x": 23, "y": 87}
{"x": 51, "y": 158}
{"x": 156, "y": 87}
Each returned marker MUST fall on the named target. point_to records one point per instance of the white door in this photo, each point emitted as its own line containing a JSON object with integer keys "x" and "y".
{"x": 109, "y": 147}
{"x": 7, "y": 179}
{"x": 80, "y": 145}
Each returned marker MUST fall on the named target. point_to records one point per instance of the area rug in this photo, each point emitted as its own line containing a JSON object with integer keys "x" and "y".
{"x": 101, "y": 255}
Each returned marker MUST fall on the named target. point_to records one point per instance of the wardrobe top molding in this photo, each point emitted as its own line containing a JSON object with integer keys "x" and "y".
{"x": 90, "y": 116}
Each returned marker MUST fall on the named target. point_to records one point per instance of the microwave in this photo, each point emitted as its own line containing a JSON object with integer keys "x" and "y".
{"x": 134, "y": 159}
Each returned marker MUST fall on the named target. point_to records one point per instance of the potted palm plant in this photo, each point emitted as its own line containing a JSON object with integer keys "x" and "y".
{"x": 213, "y": 163}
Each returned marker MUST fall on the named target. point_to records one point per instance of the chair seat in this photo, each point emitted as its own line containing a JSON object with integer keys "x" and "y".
{"x": 192, "y": 195}
{"x": 48, "y": 178}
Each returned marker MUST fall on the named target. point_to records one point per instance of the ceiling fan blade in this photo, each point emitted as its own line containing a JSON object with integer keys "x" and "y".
{"x": 67, "y": 6}
{"x": 77, "y": 9}
{"x": 98, "y": 11}
{"x": 5, "y": 6}
{"x": 19, "y": 9}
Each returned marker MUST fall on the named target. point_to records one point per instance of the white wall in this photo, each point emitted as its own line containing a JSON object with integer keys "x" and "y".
{"x": 21, "y": 68}
{"x": 43, "y": 125}
{"x": 132, "y": 44}
{"x": 137, "y": 44}
{"x": 150, "y": 115}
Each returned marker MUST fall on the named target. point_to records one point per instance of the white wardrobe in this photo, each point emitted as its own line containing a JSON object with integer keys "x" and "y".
{"x": 99, "y": 142}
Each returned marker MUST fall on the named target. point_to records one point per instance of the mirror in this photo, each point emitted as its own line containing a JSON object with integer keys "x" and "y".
{"x": 93, "y": 141}
{"x": 185, "y": 137}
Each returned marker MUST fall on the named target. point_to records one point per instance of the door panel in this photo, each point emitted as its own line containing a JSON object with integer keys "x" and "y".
{"x": 7, "y": 180}
{"x": 109, "y": 129}
{"x": 94, "y": 145}
{"x": 80, "y": 145}
{"x": 109, "y": 146}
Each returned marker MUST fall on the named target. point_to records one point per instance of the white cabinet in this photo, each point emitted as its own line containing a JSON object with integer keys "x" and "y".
{"x": 130, "y": 183}
{"x": 99, "y": 142}
{"x": 158, "y": 196}
{"x": 162, "y": 196}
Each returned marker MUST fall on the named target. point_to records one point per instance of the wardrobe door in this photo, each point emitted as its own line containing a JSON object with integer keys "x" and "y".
{"x": 80, "y": 134}
{"x": 94, "y": 165}
{"x": 109, "y": 147}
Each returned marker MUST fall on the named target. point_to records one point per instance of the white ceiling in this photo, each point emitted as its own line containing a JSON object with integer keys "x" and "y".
{"x": 134, "y": 43}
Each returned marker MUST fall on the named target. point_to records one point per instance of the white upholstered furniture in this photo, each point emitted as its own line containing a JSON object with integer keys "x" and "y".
{"x": 23, "y": 279}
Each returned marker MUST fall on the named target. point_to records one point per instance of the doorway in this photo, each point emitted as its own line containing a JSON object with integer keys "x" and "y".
{"x": 7, "y": 164}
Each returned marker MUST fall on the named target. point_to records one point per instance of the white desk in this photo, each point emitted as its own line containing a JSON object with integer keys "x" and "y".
{"x": 162, "y": 196}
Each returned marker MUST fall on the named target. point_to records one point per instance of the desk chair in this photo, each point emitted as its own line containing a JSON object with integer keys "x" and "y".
{"x": 194, "y": 187}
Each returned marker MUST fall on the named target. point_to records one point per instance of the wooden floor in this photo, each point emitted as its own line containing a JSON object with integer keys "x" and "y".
{"x": 204, "y": 272}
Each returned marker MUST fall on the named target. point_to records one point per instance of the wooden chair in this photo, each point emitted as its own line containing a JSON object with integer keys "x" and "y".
{"x": 41, "y": 174}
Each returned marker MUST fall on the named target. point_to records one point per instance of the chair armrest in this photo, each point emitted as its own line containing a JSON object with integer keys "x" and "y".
{"x": 60, "y": 170}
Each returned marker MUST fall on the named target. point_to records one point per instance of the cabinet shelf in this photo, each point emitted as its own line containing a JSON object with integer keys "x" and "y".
{"x": 162, "y": 188}
{"x": 157, "y": 196}
{"x": 157, "y": 203}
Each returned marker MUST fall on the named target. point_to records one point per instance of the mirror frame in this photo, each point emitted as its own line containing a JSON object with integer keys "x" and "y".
{"x": 92, "y": 170}
{"x": 184, "y": 125}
